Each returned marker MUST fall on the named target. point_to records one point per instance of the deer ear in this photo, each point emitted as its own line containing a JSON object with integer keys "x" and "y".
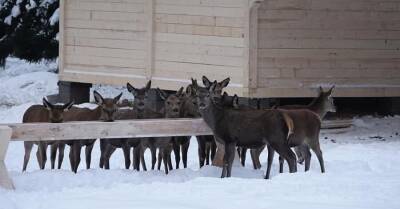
{"x": 331, "y": 90}
{"x": 130, "y": 88}
{"x": 162, "y": 94}
{"x": 207, "y": 83}
{"x": 47, "y": 104}
{"x": 148, "y": 85}
{"x": 213, "y": 86}
{"x": 189, "y": 90}
{"x": 68, "y": 106}
{"x": 116, "y": 99}
{"x": 225, "y": 82}
{"x": 225, "y": 94}
{"x": 194, "y": 83}
{"x": 235, "y": 101}
{"x": 180, "y": 92}
{"x": 98, "y": 98}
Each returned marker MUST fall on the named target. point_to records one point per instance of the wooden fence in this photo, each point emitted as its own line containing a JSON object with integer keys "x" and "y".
{"x": 107, "y": 130}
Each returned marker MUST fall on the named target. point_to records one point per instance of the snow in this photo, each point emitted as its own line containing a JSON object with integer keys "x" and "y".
{"x": 362, "y": 167}
{"x": 55, "y": 17}
{"x": 15, "y": 12}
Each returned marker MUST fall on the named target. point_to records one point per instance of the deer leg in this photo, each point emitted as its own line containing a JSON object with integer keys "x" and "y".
{"x": 109, "y": 150}
{"x": 153, "y": 151}
{"x": 53, "y": 154}
{"x": 61, "y": 148}
{"x": 243, "y": 156}
{"x": 253, "y": 156}
{"x": 213, "y": 149}
{"x": 103, "y": 145}
{"x": 271, "y": 153}
{"x": 88, "y": 155}
{"x": 76, "y": 154}
{"x": 136, "y": 156}
{"x": 165, "y": 159}
{"x": 185, "y": 149}
{"x": 160, "y": 159}
{"x": 317, "y": 150}
{"x": 208, "y": 152}
{"x": 229, "y": 157}
{"x": 177, "y": 149}
{"x": 201, "y": 150}
{"x": 41, "y": 154}
{"x": 126, "y": 150}
{"x": 287, "y": 154}
{"x": 142, "y": 161}
{"x": 299, "y": 153}
{"x": 71, "y": 157}
{"x": 258, "y": 153}
{"x": 281, "y": 162}
{"x": 28, "y": 149}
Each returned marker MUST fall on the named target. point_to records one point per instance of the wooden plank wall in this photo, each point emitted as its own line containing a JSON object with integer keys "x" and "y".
{"x": 104, "y": 41}
{"x": 304, "y": 43}
{"x": 169, "y": 41}
{"x": 198, "y": 37}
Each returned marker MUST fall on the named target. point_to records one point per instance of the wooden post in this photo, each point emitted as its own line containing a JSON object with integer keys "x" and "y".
{"x": 5, "y": 136}
{"x": 219, "y": 156}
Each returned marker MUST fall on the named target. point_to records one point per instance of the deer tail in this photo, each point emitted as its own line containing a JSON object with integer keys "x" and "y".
{"x": 289, "y": 124}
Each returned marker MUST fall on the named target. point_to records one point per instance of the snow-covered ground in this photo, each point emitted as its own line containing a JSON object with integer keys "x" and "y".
{"x": 362, "y": 167}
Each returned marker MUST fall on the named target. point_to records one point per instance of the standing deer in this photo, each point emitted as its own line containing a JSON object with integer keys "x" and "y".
{"x": 247, "y": 128}
{"x": 43, "y": 113}
{"x": 207, "y": 145}
{"x": 105, "y": 111}
{"x": 321, "y": 105}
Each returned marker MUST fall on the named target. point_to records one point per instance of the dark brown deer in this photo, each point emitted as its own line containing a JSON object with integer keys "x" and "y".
{"x": 246, "y": 128}
{"x": 173, "y": 103}
{"x": 172, "y": 109}
{"x": 43, "y": 113}
{"x": 140, "y": 110}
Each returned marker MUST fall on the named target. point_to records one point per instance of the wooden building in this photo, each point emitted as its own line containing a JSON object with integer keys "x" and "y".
{"x": 270, "y": 48}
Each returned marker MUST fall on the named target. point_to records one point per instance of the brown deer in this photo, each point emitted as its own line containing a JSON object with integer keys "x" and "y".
{"x": 321, "y": 105}
{"x": 246, "y": 128}
{"x": 105, "y": 111}
{"x": 43, "y": 113}
{"x": 139, "y": 111}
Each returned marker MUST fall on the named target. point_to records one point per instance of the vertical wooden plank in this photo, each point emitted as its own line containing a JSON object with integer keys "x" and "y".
{"x": 5, "y": 136}
{"x": 253, "y": 45}
{"x": 61, "y": 37}
{"x": 150, "y": 38}
{"x": 246, "y": 33}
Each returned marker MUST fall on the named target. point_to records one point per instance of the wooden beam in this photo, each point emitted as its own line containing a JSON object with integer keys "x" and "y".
{"x": 150, "y": 38}
{"x": 5, "y": 180}
{"x": 118, "y": 129}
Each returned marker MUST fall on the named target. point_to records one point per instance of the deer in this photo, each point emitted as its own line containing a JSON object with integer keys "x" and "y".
{"x": 172, "y": 109}
{"x": 247, "y": 128}
{"x": 105, "y": 111}
{"x": 320, "y": 105}
{"x": 138, "y": 111}
{"x": 43, "y": 113}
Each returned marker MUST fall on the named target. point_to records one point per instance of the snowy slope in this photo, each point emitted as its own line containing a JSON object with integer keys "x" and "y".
{"x": 362, "y": 172}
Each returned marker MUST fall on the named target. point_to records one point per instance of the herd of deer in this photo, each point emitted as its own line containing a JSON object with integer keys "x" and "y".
{"x": 237, "y": 127}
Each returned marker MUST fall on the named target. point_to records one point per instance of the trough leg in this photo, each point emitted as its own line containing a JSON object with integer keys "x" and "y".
{"x": 5, "y": 180}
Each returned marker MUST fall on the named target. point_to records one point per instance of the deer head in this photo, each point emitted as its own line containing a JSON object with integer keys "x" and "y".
{"x": 56, "y": 112}
{"x": 326, "y": 98}
{"x": 108, "y": 106}
{"x": 141, "y": 95}
{"x": 172, "y": 103}
{"x": 219, "y": 86}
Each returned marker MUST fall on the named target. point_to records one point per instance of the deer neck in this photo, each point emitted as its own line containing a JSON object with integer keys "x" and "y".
{"x": 97, "y": 112}
{"x": 212, "y": 115}
{"x": 317, "y": 106}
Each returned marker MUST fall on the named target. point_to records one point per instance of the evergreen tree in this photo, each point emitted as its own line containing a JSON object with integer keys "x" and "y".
{"x": 29, "y": 29}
